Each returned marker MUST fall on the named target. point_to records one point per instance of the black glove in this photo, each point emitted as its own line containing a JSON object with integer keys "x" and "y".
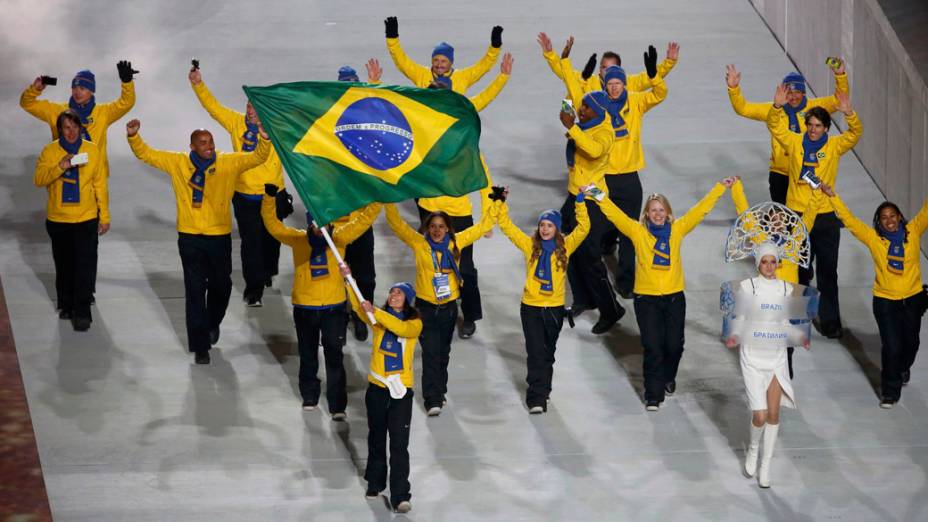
{"x": 284, "y": 204}
{"x": 650, "y": 61}
{"x": 496, "y": 37}
{"x": 498, "y": 193}
{"x": 393, "y": 27}
{"x": 125, "y": 71}
{"x": 589, "y": 67}
{"x": 270, "y": 189}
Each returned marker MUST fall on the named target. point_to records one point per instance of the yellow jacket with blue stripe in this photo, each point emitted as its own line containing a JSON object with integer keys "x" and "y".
{"x": 787, "y": 270}
{"x": 212, "y": 217}
{"x": 531, "y": 292}
{"x": 887, "y": 284}
{"x": 94, "y": 195}
{"x": 421, "y": 76}
{"x": 635, "y": 82}
{"x": 800, "y": 193}
{"x": 251, "y": 181}
{"x": 422, "y": 251}
{"x": 779, "y": 158}
{"x": 101, "y": 117}
{"x": 408, "y": 330}
{"x": 626, "y": 154}
{"x": 648, "y": 280}
{"x": 328, "y": 290}
{"x": 591, "y": 159}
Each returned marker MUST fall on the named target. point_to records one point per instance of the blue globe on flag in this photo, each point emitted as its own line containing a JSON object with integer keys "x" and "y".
{"x": 376, "y": 132}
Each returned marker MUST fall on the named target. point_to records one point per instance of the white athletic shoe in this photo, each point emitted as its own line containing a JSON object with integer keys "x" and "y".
{"x": 536, "y": 409}
{"x": 340, "y": 416}
{"x": 403, "y": 507}
{"x": 434, "y": 411}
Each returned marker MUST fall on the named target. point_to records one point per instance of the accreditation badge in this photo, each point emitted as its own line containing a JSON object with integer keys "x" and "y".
{"x": 442, "y": 285}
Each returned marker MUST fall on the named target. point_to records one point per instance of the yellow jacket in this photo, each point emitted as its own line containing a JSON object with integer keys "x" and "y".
{"x": 649, "y": 281}
{"x": 592, "y": 157}
{"x": 213, "y": 217}
{"x": 421, "y": 76}
{"x": 251, "y": 181}
{"x": 422, "y": 251}
{"x": 799, "y": 192}
{"x": 94, "y": 196}
{"x": 626, "y": 154}
{"x": 787, "y": 270}
{"x": 102, "y": 116}
{"x": 636, "y": 82}
{"x": 758, "y": 111}
{"x": 328, "y": 290}
{"x": 408, "y": 330}
{"x": 531, "y": 292}
{"x": 887, "y": 284}
{"x": 459, "y": 206}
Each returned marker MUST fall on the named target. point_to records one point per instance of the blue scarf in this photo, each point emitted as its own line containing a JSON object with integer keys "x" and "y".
{"x": 391, "y": 348}
{"x": 614, "y": 108}
{"x": 810, "y": 152}
{"x": 83, "y": 111}
{"x": 543, "y": 267}
{"x": 447, "y": 263}
{"x": 661, "y": 260}
{"x": 895, "y": 256}
{"x": 318, "y": 257}
{"x": 793, "y": 114}
{"x": 198, "y": 180}
{"x": 250, "y": 138}
{"x": 71, "y": 186}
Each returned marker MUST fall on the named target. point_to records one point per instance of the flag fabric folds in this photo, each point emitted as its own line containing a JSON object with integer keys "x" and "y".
{"x": 347, "y": 144}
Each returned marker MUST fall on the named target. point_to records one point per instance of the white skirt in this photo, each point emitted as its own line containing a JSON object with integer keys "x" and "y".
{"x": 759, "y": 364}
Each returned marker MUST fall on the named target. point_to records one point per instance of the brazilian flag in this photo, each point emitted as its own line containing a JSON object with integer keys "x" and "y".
{"x": 347, "y": 144}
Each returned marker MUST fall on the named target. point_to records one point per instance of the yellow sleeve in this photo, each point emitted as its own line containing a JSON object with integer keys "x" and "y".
{"x": 830, "y": 103}
{"x": 863, "y": 232}
{"x": 42, "y": 109}
{"x": 554, "y": 62}
{"x": 471, "y": 234}
{"x": 751, "y": 110}
{"x": 46, "y": 168}
{"x": 579, "y": 233}
{"x": 470, "y": 75}
{"x": 849, "y": 138}
{"x": 223, "y": 115}
{"x": 241, "y": 161}
{"x": 280, "y": 232}
{"x": 348, "y": 232}
{"x": 695, "y": 215}
{"x": 920, "y": 221}
{"x": 401, "y": 228}
{"x": 647, "y": 100}
{"x": 738, "y": 197}
{"x": 572, "y": 81}
{"x": 120, "y": 106}
{"x": 487, "y": 95}
{"x": 617, "y": 217}
{"x": 355, "y": 304}
{"x": 664, "y": 68}
{"x": 102, "y": 192}
{"x": 778, "y": 128}
{"x": 419, "y": 75}
{"x": 520, "y": 239}
{"x": 405, "y": 329}
{"x": 160, "y": 159}
{"x": 595, "y": 145}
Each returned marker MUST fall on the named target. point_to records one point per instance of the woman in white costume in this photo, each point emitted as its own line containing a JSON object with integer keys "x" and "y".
{"x": 764, "y": 368}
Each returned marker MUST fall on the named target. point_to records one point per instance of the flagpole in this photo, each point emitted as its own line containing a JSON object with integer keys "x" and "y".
{"x": 350, "y": 278}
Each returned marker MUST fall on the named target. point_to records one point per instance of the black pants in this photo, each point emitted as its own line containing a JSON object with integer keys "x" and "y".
{"x": 660, "y": 319}
{"x": 359, "y": 255}
{"x": 471, "y": 307}
{"x": 625, "y": 191}
{"x": 330, "y": 323}
{"x": 388, "y": 416}
{"x": 73, "y": 247}
{"x": 207, "y": 262}
{"x": 260, "y": 251}
{"x": 437, "y": 331}
{"x": 824, "y": 239}
{"x": 779, "y": 185}
{"x": 541, "y": 327}
{"x": 899, "y": 321}
{"x": 586, "y": 272}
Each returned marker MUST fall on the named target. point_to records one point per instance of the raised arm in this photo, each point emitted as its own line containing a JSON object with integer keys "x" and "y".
{"x": 617, "y": 217}
{"x": 400, "y": 227}
{"x": 572, "y": 81}
{"x": 696, "y": 214}
{"x": 474, "y": 232}
{"x": 572, "y": 241}
{"x": 223, "y": 115}
{"x": 647, "y": 100}
{"x": 159, "y": 159}
{"x": 751, "y": 110}
{"x": 777, "y": 125}
{"x": 547, "y": 52}
{"x": 419, "y": 75}
{"x": 863, "y": 232}
{"x": 405, "y": 329}
{"x": 830, "y": 103}
{"x": 920, "y": 222}
{"x": 487, "y": 95}
{"x": 855, "y": 129}
{"x": 520, "y": 239}
{"x": 42, "y": 109}
{"x": 286, "y": 235}
{"x": 738, "y": 197}
{"x": 348, "y": 232}
{"x": 118, "y": 108}
{"x": 241, "y": 161}
{"x": 470, "y": 75}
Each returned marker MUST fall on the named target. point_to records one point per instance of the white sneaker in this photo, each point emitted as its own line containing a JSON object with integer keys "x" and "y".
{"x": 308, "y": 406}
{"x": 340, "y": 416}
{"x": 403, "y": 507}
{"x": 434, "y": 411}
{"x": 536, "y": 409}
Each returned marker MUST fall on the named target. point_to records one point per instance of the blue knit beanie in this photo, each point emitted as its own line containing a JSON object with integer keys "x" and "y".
{"x": 613, "y": 72}
{"x": 407, "y": 290}
{"x": 85, "y": 79}
{"x": 445, "y": 50}
{"x": 348, "y": 74}
{"x": 551, "y": 215}
{"x": 795, "y": 81}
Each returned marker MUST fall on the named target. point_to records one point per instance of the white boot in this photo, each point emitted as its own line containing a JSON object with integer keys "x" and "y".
{"x": 750, "y": 460}
{"x": 770, "y": 442}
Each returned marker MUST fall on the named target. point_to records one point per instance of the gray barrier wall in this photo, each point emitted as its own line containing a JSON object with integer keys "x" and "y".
{"x": 886, "y": 89}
